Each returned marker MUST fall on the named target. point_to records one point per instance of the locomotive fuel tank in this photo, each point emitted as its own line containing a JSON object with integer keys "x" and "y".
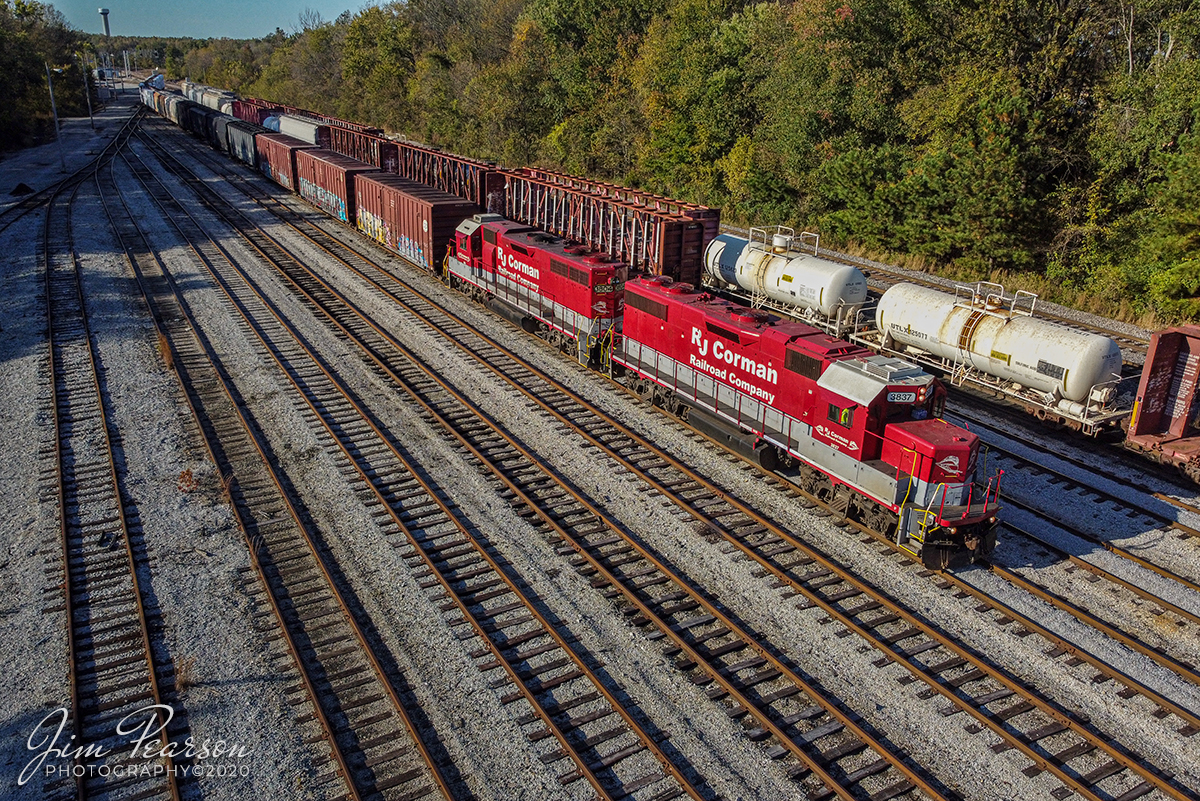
{"x": 983, "y": 332}
{"x": 772, "y": 264}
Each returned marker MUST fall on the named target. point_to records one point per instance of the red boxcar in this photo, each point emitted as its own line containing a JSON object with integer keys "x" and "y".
{"x": 326, "y": 180}
{"x": 277, "y": 157}
{"x": 568, "y": 294}
{"x": 1166, "y": 414}
{"x": 861, "y": 428}
{"x": 412, "y": 219}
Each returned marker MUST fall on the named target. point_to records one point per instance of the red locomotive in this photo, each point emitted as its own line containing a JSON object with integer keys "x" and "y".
{"x": 563, "y": 293}
{"x": 858, "y": 430}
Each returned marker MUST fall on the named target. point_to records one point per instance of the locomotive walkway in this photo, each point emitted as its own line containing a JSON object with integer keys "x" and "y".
{"x": 1048, "y": 736}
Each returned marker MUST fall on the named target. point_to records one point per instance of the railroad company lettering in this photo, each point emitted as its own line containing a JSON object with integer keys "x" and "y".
{"x": 721, "y": 353}
{"x": 512, "y": 263}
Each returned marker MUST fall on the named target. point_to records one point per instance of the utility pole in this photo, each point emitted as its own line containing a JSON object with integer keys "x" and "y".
{"x": 87, "y": 90}
{"x": 54, "y": 110}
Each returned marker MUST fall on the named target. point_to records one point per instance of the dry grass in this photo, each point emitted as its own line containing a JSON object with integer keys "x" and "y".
{"x": 185, "y": 674}
{"x": 187, "y": 481}
{"x": 164, "y": 348}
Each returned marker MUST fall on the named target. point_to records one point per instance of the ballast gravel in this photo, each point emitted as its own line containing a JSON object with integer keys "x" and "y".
{"x": 197, "y": 564}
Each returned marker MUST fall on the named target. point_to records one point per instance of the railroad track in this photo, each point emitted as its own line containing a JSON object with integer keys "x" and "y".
{"x": 1086, "y": 463}
{"x": 766, "y": 542}
{"x": 116, "y": 663}
{"x": 352, "y": 701}
{"x": 585, "y": 728}
{"x": 1142, "y": 515}
{"x": 1120, "y": 630}
{"x": 830, "y": 750}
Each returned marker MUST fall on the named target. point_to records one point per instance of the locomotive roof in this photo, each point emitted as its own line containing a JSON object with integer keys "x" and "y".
{"x": 862, "y": 379}
{"x": 750, "y": 322}
{"x": 557, "y": 246}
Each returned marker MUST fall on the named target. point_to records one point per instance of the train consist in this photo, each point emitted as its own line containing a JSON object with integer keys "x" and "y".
{"x": 978, "y": 335}
{"x": 982, "y": 337}
{"x": 1166, "y": 415}
{"x": 857, "y": 429}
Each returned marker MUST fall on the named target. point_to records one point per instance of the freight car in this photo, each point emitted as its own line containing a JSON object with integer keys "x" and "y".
{"x": 777, "y": 271}
{"x": 858, "y": 430}
{"x": 306, "y": 129}
{"x": 277, "y": 157}
{"x": 978, "y": 336}
{"x": 981, "y": 335}
{"x": 414, "y": 220}
{"x": 1165, "y": 422}
{"x": 326, "y": 180}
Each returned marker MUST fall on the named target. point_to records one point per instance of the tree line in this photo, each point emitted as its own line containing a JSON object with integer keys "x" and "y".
{"x": 1050, "y": 144}
{"x": 34, "y": 36}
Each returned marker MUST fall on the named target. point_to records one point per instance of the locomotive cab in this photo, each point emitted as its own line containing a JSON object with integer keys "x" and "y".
{"x": 468, "y": 241}
{"x": 945, "y": 517}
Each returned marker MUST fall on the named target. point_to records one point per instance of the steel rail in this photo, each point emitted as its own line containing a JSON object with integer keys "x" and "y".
{"x": 1104, "y": 574}
{"x": 1167, "y": 704}
{"x": 1012, "y": 684}
{"x": 368, "y": 652}
{"x": 1184, "y": 671}
{"x": 191, "y": 352}
{"x": 583, "y": 767}
{"x": 1075, "y": 530}
{"x": 1035, "y": 757}
{"x": 745, "y": 701}
{"x": 110, "y": 478}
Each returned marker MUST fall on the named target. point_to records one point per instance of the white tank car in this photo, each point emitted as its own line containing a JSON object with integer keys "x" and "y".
{"x": 772, "y": 265}
{"x": 982, "y": 331}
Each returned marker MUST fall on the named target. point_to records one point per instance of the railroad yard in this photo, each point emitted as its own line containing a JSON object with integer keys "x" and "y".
{"x": 313, "y": 508}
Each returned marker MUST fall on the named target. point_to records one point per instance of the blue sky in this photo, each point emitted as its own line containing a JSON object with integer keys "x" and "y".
{"x": 202, "y": 19}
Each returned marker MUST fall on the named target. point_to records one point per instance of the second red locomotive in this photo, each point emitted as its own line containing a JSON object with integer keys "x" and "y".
{"x": 563, "y": 293}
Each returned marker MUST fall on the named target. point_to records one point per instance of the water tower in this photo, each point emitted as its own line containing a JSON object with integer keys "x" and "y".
{"x": 104, "y": 13}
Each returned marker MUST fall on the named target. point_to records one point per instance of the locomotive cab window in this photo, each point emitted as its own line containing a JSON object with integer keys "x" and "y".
{"x": 843, "y": 416}
{"x": 489, "y": 236}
